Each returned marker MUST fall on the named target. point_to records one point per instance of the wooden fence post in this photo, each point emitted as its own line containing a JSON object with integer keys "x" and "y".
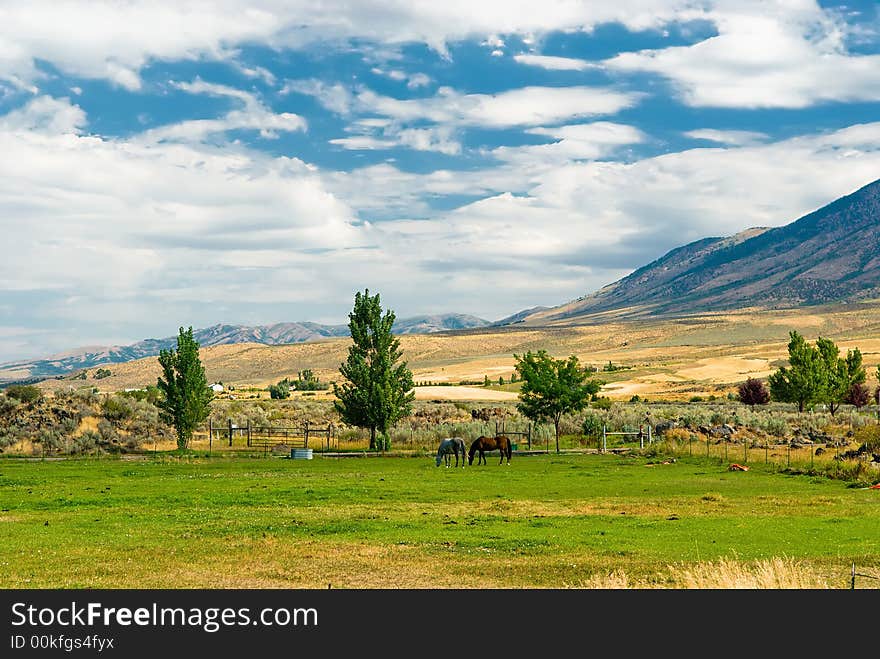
{"x": 230, "y": 432}
{"x": 249, "y": 433}
{"x": 306, "y": 435}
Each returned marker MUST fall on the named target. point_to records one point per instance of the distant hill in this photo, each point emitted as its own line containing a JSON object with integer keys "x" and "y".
{"x": 518, "y": 317}
{"x": 73, "y": 361}
{"x": 829, "y": 255}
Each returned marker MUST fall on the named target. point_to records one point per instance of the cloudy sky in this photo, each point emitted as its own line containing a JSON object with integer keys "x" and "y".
{"x": 168, "y": 163}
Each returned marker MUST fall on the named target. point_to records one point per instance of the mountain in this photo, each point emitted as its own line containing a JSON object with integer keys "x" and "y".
{"x": 431, "y": 324}
{"x": 829, "y": 255}
{"x": 518, "y": 317}
{"x": 73, "y": 361}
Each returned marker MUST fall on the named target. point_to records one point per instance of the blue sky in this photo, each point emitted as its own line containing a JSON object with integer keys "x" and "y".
{"x": 189, "y": 163}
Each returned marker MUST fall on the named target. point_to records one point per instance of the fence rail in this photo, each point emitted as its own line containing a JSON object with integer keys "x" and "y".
{"x": 267, "y": 437}
{"x": 526, "y": 434}
{"x": 859, "y": 574}
{"x": 642, "y": 434}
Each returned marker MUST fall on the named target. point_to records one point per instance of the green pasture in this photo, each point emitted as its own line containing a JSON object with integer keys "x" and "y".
{"x": 569, "y": 520}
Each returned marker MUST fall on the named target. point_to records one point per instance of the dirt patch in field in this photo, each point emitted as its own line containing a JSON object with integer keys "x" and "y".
{"x": 630, "y": 388}
{"x": 462, "y": 393}
{"x": 726, "y": 369}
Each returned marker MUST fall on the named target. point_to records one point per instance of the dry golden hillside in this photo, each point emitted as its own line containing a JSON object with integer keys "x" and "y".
{"x": 674, "y": 359}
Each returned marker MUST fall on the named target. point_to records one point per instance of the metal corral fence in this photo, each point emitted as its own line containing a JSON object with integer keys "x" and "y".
{"x": 266, "y": 438}
{"x": 852, "y": 583}
{"x": 802, "y": 453}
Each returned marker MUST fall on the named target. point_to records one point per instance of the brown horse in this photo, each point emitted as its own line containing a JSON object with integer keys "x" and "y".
{"x": 482, "y": 444}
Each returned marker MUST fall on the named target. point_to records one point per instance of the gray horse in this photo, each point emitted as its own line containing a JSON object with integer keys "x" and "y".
{"x": 448, "y": 447}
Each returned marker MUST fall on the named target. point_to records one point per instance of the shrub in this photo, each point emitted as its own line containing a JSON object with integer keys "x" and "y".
{"x": 858, "y": 395}
{"x": 7, "y": 406}
{"x": 307, "y": 381}
{"x": 50, "y": 439}
{"x": 115, "y": 409}
{"x": 753, "y": 392}
{"x": 107, "y": 432}
{"x": 676, "y": 435}
{"x": 26, "y": 393}
{"x": 718, "y": 418}
{"x": 869, "y": 436}
{"x": 281, "y": 390}
{"x": 776, "y": 426}
{"x": 592, "y": 425}
{"x": 151, "y": 394}
{"x": 85, "y": 443}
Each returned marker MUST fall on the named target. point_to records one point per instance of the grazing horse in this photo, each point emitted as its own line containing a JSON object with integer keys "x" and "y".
{"x": 483, "y": 444}
{"x": 449, "y": 446}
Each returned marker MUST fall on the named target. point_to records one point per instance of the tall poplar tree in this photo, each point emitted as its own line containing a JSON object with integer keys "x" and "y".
{"x": 186, "y": 397}
{"x": 377, "y": 391}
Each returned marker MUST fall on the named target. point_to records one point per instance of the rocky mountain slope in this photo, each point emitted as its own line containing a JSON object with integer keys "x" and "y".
{"x": 829, "y": 255}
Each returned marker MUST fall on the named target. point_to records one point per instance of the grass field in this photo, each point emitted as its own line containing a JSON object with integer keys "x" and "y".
{"x": 569, "y": 520}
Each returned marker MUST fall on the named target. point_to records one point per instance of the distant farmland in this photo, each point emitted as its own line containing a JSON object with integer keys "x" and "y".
{"x": 673, "y": 359}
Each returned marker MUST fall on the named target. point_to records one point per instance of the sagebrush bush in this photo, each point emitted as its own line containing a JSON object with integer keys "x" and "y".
{"x": 869, "y": 436}
{"x": 86, "y": 443}
{"x": 26, "y": 393}
{"x": 116, "y": 409}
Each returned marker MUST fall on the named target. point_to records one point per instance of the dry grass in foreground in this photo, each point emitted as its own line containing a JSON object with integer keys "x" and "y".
{"x": 774, "y": 573}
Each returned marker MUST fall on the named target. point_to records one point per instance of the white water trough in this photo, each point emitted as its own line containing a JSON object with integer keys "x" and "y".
{"x": 300, "y": 454}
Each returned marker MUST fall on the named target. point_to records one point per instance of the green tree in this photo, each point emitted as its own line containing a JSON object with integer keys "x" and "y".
{"x": 186, "y": 396}
{"x": 377, "y": 390}
{"x": 281, "y": 390}
{"x": 552, "y": 387}
{"x": 26, "y": 393}
{"x": 839, "y": 374}
{"x": 802, "y": 381}
{"x": 306, "y": 380}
